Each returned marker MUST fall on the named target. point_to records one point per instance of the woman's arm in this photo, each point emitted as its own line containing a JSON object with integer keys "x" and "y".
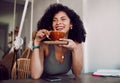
{"x": 37, "y": 63}
{"x": 77, "y": 60}
{"x": 37, "y": 58}
{"x": 77, "y": 55}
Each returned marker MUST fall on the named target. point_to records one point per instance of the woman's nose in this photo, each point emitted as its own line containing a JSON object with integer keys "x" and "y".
{"x": 59, "y": 22}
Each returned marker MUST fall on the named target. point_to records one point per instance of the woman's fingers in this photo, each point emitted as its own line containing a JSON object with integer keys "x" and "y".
{"x": 71, "y": 44}
{"x": 42, "y": 33}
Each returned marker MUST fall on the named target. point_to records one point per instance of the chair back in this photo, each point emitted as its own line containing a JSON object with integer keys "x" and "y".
{"x": 23, "y": 69}
{"x": 23, "y": 66}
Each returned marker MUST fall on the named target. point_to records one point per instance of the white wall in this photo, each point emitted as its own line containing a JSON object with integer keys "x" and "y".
{"x": 102, "y": 21}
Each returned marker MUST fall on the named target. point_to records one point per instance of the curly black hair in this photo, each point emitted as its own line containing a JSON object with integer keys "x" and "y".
{"x": 77, "y": 33}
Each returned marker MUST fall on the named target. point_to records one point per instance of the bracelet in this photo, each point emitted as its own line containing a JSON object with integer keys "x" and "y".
{"x": 35, "y": 47}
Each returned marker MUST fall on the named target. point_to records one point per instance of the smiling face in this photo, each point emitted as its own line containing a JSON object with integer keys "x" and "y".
{"x": 61, "y": 22}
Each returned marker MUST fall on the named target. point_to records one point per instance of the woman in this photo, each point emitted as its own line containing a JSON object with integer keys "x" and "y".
{"x": 50, "y": 59}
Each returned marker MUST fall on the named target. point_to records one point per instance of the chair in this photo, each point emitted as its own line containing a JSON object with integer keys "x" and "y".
{"x": 23, "y": 65}
{"x": 23, "y": 69}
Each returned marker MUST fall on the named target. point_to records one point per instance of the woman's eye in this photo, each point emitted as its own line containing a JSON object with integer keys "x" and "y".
{"x": 54, "y": 20}
{"x": 63, "y": 19}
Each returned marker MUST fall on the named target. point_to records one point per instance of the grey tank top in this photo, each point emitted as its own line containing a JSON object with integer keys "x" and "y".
{"x": 52, "y": 66}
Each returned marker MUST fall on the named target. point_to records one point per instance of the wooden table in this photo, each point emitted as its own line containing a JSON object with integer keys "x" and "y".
{"x": 84, "y": 78}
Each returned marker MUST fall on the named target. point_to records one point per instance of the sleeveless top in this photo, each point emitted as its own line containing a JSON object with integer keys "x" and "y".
{"x": 52, "y": 66}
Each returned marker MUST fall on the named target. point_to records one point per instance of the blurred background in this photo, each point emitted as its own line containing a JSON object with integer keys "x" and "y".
{"x": 101, "y": 20}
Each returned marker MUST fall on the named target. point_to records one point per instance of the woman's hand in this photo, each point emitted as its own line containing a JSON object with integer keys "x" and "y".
{"x": 71, "y": 44}
{"x": 77, "y": 53}
{"x": 40, "y": 35}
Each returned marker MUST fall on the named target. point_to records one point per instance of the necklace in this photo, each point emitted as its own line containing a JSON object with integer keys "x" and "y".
{"x": 62, "y": 57}
{"x": 60, "y": 54}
